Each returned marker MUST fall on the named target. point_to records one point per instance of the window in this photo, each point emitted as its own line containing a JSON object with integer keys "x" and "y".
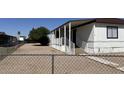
{"x": 112, "y": 32}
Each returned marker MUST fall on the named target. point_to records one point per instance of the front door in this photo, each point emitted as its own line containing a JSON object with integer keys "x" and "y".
{"x": 74, "y": 36}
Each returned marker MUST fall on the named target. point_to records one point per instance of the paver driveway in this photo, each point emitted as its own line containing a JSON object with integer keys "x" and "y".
{"x": 35, "y": 64}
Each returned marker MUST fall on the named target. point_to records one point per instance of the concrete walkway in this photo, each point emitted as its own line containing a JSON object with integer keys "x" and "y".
{"x": 35, "y": 48}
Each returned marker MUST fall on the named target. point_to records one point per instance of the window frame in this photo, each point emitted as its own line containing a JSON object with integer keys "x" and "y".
{"x": 112, "y": 36}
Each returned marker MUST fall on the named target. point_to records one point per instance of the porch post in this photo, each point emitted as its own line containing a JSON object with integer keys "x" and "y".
{"x": 65, "y": 36}
{"x": 55, "y": 38}
{"x": 52, "y": 38}
{"x": 70, "y": 36}
{"x": 59, "y": 37}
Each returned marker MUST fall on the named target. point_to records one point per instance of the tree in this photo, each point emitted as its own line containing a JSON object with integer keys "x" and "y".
{"x": 19, "y": 33}
{"x": 39, "y": 35}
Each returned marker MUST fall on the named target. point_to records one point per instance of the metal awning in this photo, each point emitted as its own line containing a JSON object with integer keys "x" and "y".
{"x": 75, "y": 23}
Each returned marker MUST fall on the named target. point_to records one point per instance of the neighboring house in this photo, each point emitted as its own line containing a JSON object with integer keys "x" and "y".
{"x": 21, "y": 38}
{"x": 100, "y": 35}
{"x": 7, "y": 40}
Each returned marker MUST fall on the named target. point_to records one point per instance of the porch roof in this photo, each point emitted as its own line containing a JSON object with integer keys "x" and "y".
{"x": 81, "y": 22}
{"x": 74, "y": 23}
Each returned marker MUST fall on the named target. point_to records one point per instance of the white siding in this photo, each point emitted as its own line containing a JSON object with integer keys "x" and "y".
{"x": 85, "y": 37}
{"x": 102, "y": 44}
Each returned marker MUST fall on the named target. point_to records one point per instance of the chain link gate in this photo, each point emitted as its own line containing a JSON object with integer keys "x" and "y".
{"x": 60, "y": 64}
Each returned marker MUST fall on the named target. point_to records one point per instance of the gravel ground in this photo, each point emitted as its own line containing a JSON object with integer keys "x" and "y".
{"x": 42, "y": 64}
{"x": 115, "y": 59}
{"x": 81, "y": 65}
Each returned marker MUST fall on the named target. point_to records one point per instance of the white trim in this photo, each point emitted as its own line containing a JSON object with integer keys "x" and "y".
{"x": 65, "y": 36}
{"x": 59, "y": 37}
{"x": 70, "y": 36}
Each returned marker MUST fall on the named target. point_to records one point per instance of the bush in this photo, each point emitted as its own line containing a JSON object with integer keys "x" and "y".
{"x": 44, "y": 40}
{"x": 39, "y": 35}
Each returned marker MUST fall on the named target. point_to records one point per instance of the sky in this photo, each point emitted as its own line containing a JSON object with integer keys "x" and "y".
{"x": 12, "y": 25}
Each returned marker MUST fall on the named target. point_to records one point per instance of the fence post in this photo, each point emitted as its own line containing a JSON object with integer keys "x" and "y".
{"x": 52, "y": 64}
{"x": 7, "y": 50}
{"x": 1, "y": 55}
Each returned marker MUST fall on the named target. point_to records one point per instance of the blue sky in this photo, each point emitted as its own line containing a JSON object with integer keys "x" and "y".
{"x": 12, "y": 25}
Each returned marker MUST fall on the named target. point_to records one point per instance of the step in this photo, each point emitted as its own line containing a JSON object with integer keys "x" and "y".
{"x": 79, "y": 51}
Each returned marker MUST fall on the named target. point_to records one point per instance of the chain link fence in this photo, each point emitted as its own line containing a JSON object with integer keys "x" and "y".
{"x": 10, "y": 49}
{"x": 61, "y": 64}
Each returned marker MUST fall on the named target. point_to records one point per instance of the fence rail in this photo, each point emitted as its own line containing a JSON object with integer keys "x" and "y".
{"x": 61, "y": 64}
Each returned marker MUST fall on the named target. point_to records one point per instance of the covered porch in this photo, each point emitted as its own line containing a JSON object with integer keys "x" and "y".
{"x": 63, "y": 37}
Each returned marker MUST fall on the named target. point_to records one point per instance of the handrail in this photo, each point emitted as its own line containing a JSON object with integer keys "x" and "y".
{"x": 72, "y": 50}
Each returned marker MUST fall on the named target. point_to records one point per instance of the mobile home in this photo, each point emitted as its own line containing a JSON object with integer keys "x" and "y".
{"x": 99, "y": 35}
